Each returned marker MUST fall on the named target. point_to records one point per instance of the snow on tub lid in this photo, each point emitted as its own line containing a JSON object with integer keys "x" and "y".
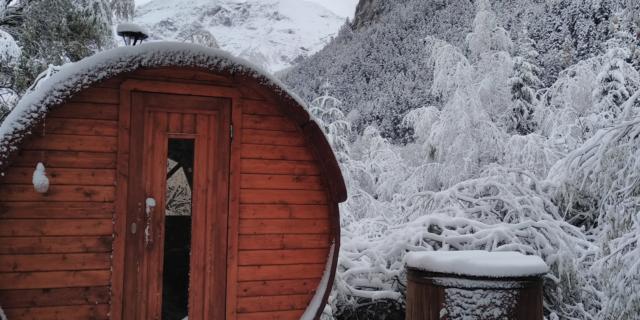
{"x": 478, "y": 263}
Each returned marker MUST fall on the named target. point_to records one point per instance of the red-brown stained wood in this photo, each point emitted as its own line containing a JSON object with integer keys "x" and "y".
{"x": 270, "y": 196}
{"x": 279, "y": 167}
{"x": 66, "y": 159}
{"x": 58, "y": 193}
{"x": 284, "y": 226}
{"x": 256, "y": 151}
{"x": 26, "y": 298}
{"x": 56, "y": 210}
{"x": 85, "y": 111}
{"x": 41, "y": 227}
{"x": 268, "y": 123}
{"x": 276, "y": 257}
{"x": 34, "y": 245}
{"x": 98, "y": 95}
{"x": 272, "y": 315}
{"x": 277, "y": 287}
{"x": 63, "y": 142}
{"x": 261, "y": 107}
{"x": 283, "y": 241}
{"x": 270, "y": 137}
{"x": 284, "y": 272}
{"x": 55, "y": 262}
{"x": 279, "y": 211}
{"x": 94, "y": 312}
{"x": 54, "y": 279}
{"x": 63, "y": 176}
{"x": 277, "y": 207}
{"x": 80, "y": 127}
{"x": 273, "y": 303}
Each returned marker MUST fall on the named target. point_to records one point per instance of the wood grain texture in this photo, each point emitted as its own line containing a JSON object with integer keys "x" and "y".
{"x": 94, "y": 312}
{"x": 56, "y": 210}
{"x": 54, "y": 279}
{"x": 66, "y": 159}
{"x": 55, "y": 262}
{"x": 63, "y": 176}
{"x": 36, "y": 245}
{"x": 27, "y": 298}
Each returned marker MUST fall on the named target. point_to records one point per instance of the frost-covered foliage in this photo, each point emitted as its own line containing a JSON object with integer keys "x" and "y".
{"x": 600, "y": 189}
{"x": 51, "y": 32}
{"x": 515, "y": 141}
{"x": 383, "y": 70}
{"x": 9, "y": 57}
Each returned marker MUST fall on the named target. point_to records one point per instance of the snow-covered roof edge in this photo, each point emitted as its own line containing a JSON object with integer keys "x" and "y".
{"x": 74, "y": 77}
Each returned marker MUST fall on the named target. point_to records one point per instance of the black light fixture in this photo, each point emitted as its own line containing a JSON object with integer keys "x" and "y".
{"x": 131, "y": 33}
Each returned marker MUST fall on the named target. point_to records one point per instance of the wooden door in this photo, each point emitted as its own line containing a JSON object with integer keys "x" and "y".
{"x": 195, "y": 133}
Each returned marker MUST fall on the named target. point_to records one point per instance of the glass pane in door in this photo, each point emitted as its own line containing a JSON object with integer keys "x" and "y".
{"x": 177, "y": 236}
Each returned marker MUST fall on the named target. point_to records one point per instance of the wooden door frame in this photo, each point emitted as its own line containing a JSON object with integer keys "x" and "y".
{"x": 123, "y": 156}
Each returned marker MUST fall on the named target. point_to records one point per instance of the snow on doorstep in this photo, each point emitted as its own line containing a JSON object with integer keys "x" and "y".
{"x": 73, "y": 77}
{"x": 478, "y": 263}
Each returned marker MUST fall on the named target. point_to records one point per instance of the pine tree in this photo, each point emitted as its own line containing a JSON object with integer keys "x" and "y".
{"x": 58, "y": 31}
{"x": 9, "y": 57}
{"x": 524, "y": 83}
{"x": 123, "y": 9}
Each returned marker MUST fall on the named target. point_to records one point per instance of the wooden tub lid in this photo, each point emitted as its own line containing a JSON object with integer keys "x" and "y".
{"x": 477, "y": 263}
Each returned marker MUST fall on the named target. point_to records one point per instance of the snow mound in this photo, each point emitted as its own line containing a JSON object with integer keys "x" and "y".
{"x": 131, "y": 27}
{"x": 478, "y": 263}
{"x": 73, "y": 77}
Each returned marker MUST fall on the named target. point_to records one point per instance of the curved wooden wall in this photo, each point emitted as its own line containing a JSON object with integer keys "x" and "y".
{"x": 55, "y": 249}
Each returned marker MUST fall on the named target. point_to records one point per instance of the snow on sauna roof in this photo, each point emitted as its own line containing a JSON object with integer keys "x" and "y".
{"x": 478, "y": 263}
{"x": 73, "y": 77}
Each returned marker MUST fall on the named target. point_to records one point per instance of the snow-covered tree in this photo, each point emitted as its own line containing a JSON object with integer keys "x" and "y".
{"x": 606, "y": 170}
{"x": 9, "y": 57}
{"x": 524, "y": 84}
{"x": 487, "y": 36}
{"x": 196, "y": 33}
{"x": 123, "y": 9}
{"x": 56, "y": 32}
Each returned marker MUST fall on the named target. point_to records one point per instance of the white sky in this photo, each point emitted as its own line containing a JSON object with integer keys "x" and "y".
{"x": 344, "y": 8}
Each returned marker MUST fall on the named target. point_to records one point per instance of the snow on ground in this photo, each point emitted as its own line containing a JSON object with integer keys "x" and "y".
{"x": 274, "y": 34}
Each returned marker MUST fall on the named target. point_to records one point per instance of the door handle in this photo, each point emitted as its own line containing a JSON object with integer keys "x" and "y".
{"x": 148, "y": 230}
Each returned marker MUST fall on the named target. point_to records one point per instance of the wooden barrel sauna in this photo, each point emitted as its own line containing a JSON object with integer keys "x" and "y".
{"x": 181, "y": 182}
{"x": 474, "y": 285}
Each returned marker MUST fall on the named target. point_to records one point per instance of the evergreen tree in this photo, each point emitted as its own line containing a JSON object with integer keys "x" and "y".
{"x": 9, "y": 57}
{"x": 56, "y": 32}
{"x": 123, "y": 9}
{"x": 524, "y": 84}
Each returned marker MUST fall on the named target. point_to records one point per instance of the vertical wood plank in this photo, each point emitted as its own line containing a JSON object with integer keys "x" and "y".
{"x": 120, "y": 220}
{"x": 188, "y": 123}
{"x": 175, "y": 122}
{"x": 156, "y": 168}
{"x": 234, "y": 209}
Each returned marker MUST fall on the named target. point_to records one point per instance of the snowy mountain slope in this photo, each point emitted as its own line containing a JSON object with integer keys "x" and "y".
{"x": 271, "y": 33}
